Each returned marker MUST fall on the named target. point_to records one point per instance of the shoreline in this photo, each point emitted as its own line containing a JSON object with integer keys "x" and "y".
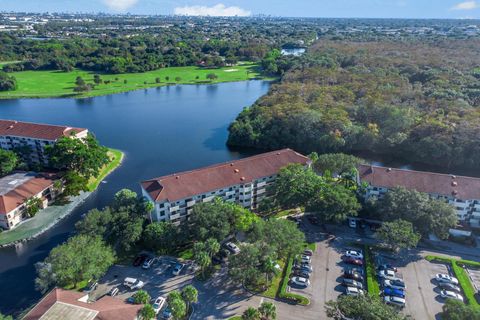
{"x": 66, "y": 209}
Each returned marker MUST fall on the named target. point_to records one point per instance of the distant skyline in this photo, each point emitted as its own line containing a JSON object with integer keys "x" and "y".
{"x": 444, "y": 9}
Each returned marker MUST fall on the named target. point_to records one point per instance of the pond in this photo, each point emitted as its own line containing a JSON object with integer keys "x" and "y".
{"x": 161, "y": 131}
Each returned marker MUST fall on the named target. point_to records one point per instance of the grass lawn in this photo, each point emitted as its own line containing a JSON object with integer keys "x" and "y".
{"x": 373, "y": 287}
{"x": 43, "y": 84}
{"x": 116, "y": 157}
{"x": 186, "y": 254}
{"x": 462, "y": 276}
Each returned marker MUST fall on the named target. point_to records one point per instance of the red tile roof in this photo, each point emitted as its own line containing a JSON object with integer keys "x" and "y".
{"x": 17, "y": 196}
{"x": 35, "y": 130}
{"x": 183, "y": 185}
{"x": 465, "y": 188}
{"x": 108, "y": 308}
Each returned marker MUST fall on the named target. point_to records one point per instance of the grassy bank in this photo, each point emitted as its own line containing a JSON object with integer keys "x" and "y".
{"x": 116, "y": 157}
{"x": 46, "y": 84}
{"x": 462, "y": 276}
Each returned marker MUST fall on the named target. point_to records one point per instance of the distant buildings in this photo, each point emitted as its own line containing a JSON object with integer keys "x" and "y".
{"x": 242, "y": 181}
{"x": 72, "y": 305}
{"x": 461, "y": 192}
{"x": 16, "y": 134}
{"x": 16, "y": 189}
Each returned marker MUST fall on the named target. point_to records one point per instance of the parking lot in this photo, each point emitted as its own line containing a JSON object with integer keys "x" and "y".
{"x": 475, "y": 277}
{"x": 423, "y": 295}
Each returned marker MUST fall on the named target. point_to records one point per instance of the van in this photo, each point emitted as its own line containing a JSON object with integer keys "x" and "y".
{"x": 133, "y": 283}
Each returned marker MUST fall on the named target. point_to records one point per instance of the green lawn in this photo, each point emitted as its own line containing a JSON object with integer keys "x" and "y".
{"x": 116, "y": 157}
{"x": 373, "y": 287}
{"x": 462, "y": 276}
{"x": 43, "y": 84}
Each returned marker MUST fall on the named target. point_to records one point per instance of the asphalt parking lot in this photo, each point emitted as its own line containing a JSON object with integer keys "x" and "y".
{"x": 423, "y": 296}
{"x": 475, "y": 277}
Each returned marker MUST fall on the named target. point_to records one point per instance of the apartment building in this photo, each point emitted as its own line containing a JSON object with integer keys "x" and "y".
{"x": 73, "y": 305}
{"x": 16, "y": 189}
{"x": 242, "y": 181}
{"x": 17, "y": 134}
{"x": 461, "y": 192}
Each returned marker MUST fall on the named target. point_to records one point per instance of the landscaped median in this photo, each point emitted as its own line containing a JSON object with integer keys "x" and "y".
{"x": 373, "y": 286}
{"x": 461, "y": 275}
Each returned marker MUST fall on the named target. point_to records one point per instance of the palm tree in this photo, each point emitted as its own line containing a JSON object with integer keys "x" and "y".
{"x": 203, "y": 261}
{"x": 251, "y": 314}
{"x": 212, "y": 246}
{"x": 269, "y": 269}
{"x": 268, "y": 311}
{"x": 190, "y": 295}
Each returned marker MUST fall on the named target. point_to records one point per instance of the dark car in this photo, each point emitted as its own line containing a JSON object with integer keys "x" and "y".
{"x": 386, "y": 267}
{"x": 217, "y": 260}
{"x": 449, "y": 287}
{"x": 352, "y": 283}
{"x": 351, "y": 260}
{"x": 394, "y": 292}
{"x": 139, "y": 260}
{"x": 352, "y": 274}
{"x": 301, "y": 273}
{"x": 308, "y": 252}
{"x": 91, "y": 286}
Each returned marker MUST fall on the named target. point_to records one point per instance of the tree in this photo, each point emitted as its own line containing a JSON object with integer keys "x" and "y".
{"x": 7, "y": 82}
{"x": 167, "y": 78}
{"x": 334, "y": 203}
{"x": 178, "y": 79}
{"x": 161, "y": 237}
{"x": 46, "y": 279}
{"x": 8, "y": 162}
{"x": 243, "y": 267}
{"x": 361, "y": 307}
{"x": 124, "y": 198}
{"x": 141, "y": 297}
{"x": 2, "y": 317}
{"x": 457, "y": 310}
{"x": 177, "y": 305}
{"x": 147, "y": 312}
{"x": 79, "y": 81}
{"x": 80, "y": 258}
{"x": 210, "y": 221}
{"x": 203, "y": 261}
{"x": 96, "y": 223}
{"x": 440, "y": 217}
{"x": 33, "y": 205}
{"x": 337, "y": 163}
{"x": 212, "y": 247}
{"x": 127, "y": 229}
{"x": 251, "y": 314}
{"x": 212, "y": 76}
{"x": 268, "y": 311}
{"x": 398, "y": 234}
{"x": 97, "y": 79}
{"x": 158, "y": 80}
{"x": 74, "y": 184}
{"x": 190, "y": 295}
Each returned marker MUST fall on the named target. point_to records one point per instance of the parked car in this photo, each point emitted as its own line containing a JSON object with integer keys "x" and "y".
{"x": 351, "y": 260}
{"x": 395, "y": 301}
{"x": 306, "y": 267}
{"x": 394, "y": 292}
{"x": 352, "y": 274}
{"x": 308, "y": 252}
{"x": 352, "y": 283}
{"x": 352, "y": 223}
{"x": 352, "y": 291}
{"x": 301, "y": 273}
{"x": 449, "y": 287}
{"x": 395, "y": 284}
{"x": 133, "y": 283}
{"x": 91, "y": 286}
{"x": 177, "y": 269}
{"x": 148, "y": 263}
{"x": 167, "y": 313}
{"x": 224, "y": 253}
{"x": 113, "y": 292}
{"x": 354, "y": 254}
{"x": 386, "y": 267}
{"x": 445, "y": 278}
{"x": 138, "y": 261}
{"x": 232, "y": 247}
{"x": 158, "y": 304}
{"x": 217, "y": 260}
{"x": 451, "y": 295}
{"x": 304, "y": 282}
{"x": 305, "y": 259}
{"x": 387, "y": 274}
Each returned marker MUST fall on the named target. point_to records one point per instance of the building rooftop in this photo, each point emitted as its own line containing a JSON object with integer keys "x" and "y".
{"x": 69, "y": 305}
{"x": 186, "y": 184}
{"x": 36, "y": 130}
{"x": 460, "y": 187}
{"x": 16, "y": 188}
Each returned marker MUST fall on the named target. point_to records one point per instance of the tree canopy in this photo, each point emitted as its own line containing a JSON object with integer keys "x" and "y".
{"x": 398, "y": 234}
{"x": 8, "y": 162}
{"x": 362, "y": 307}
{"x": 7, "y": 82}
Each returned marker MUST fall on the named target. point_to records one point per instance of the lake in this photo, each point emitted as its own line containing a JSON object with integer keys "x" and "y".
{"x": 161, "y": 131}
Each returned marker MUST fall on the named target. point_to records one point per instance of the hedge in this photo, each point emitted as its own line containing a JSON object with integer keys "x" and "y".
{"x": 290, "y": 297}
{"x": 373, "y": 287}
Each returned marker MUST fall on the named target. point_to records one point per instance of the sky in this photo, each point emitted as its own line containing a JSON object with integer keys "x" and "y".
{"x": 457, "y": 9}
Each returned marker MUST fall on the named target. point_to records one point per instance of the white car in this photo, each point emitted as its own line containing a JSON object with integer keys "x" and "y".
{"x": 304, "y": 282}
{"x": 232, "y": 247}
{"x": 395, "y": 284}
{"x": 352, "y": 291}
{"x": 148, "y": 263}
{"x": 133, "y": 283}
{"x": 387, "y": 274}
{"x": 451, "y": 295}
{"x": 158, "y": 304}
{"x": 440, "y": 277}
{"x": 395, "y": 301}
{"x": 305, "y": 259}
{"x": 354, "y": 254}
{"x": 352, "y": 223}
{"x": 177, "y": 269}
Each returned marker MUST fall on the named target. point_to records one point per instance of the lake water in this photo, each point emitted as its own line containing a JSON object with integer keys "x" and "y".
{"x": 161, "y": 131}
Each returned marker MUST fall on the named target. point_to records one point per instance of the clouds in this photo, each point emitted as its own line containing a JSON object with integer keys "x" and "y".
{"x": 120, "y": 5}
{"x": 219, "y": 10}
{"x": 467, "y": 5}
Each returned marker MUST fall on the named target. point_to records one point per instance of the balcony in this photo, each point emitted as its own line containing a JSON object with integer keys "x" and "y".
{"x": 175, "y": 216}
{"x": 260, "y": 191}
{"x": 190, "y": 203}
{"x": 176, "y": 208}
{"x": 207, "y": 199}
{"x": 261, "y": 184}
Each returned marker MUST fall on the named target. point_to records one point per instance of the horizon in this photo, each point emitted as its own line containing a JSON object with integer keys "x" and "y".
{"x": 341, "y": 9}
